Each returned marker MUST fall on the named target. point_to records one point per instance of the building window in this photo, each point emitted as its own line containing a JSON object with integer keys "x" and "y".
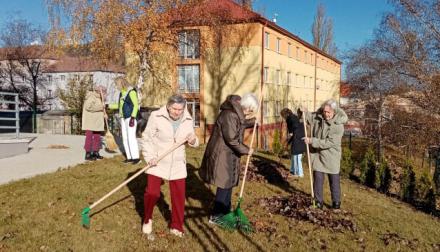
{"x": 265, "y": 108}
{"x": 297, "y": 53}
{"x": 289, "y": 78}
{"x": 49, "y": 78}
{"x": 289, "y": 50}
{"x": 24, "y": 78}
{"x": 266, "y": 74}
{"x": 305, "y": 56}
{"x": 266, "y": 40}
{"x": 277, "y": 108}
{"x": 76, "y": 77}
{"x": 311, "y": 58}
{"x": 311, "y": 82}
{"x": 278, "y": 77}
{"x": 194, "y": 110}
{"x": 305, "y": 81}
{"x": 189, "y": 78}
{"x": 90, "y": 77}
{"x": 189, "y": 44}
{"x": 297, "y": 82}
{"x": 63, "y": 77}
{"x": 278, "y": 45}
{"x": 49, "y": 93}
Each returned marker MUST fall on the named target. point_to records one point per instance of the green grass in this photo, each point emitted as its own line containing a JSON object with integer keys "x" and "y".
{"x": 44, "y": 213}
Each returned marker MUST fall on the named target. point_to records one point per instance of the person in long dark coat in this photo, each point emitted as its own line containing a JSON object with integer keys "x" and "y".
{"x": 295, "y": 129}
{"x": 221, "y": 161}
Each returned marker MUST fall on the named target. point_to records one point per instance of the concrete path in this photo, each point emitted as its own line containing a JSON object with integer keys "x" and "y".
{"x": 44, "y": 156}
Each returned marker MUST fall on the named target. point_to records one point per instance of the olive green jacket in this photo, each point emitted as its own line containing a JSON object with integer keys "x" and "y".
{"x": 325, "y": 151}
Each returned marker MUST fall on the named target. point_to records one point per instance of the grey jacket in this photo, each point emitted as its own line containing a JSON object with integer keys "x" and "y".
{"x": 325, "y": 151}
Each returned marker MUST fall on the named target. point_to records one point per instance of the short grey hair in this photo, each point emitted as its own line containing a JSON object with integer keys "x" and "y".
{"x": 176, "y": 98}
{"x": 331, "y": 103}
{"x": 249, "y": 101}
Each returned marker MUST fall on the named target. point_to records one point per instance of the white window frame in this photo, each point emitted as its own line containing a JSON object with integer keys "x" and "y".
{"x": 266, "y": 40}
{"x": 278, "y": 45}
{"x": 191, "y": 105}
{"x": 193, "y": 87}
{"x": 189, "y": 49}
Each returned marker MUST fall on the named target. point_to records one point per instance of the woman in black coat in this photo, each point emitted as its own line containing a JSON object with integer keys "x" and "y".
{"x": 221, "y": 161}
{"x": 295, "y": 130}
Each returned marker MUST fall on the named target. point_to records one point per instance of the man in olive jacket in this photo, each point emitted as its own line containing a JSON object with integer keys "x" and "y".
{"x": 221, "y": 161}
{"x": 327, "y": 128}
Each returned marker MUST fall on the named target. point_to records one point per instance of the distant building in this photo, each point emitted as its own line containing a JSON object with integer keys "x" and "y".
{"x": 294, "y": 72}
{"x": 57, "y": 71}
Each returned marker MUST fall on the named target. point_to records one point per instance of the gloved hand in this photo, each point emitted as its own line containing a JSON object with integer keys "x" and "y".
{"x": 131, "y": 123}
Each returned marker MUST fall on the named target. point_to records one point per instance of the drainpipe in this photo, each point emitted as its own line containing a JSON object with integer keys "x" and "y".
{"x": 262, "y": 81}
{"x": 314, "y": 91}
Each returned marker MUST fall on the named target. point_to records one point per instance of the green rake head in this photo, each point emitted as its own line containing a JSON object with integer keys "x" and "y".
{"x": 235, "y": 220}
{"x": 85, "y": 218}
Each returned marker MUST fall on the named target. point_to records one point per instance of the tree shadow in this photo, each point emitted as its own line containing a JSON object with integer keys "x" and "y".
{"x": 137, "y": 188}
{"x": 273, "y": 172}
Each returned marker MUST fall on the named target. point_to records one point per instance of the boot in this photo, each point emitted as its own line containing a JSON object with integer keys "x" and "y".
{"x": 90, "y": 156}
{"x": 96, "y": 155}
{"x": 336, "y": 205}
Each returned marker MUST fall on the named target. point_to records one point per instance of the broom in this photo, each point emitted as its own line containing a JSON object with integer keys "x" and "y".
{"x": 110, "y": 142}
{"x": 308, "y": 161}
{"x": 237, "y": 219}
{"x": 85, "y": 217}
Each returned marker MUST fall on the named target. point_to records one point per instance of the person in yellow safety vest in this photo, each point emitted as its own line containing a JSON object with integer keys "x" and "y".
{"x": 128, "y": 107}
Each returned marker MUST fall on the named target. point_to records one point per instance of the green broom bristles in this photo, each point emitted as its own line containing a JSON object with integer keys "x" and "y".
{"x": 235, "y": 220}
{"x": 85, "y": 218}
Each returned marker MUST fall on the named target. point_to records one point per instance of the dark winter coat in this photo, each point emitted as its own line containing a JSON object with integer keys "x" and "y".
{"x": 295, "y": 127}
{"x": 221, "y": 161}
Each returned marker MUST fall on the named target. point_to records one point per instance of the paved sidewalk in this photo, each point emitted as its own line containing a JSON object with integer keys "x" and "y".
{"x": 41, "y": 158}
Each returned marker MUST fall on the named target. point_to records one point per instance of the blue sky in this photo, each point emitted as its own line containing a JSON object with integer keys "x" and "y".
{"x": 354, "y": 20}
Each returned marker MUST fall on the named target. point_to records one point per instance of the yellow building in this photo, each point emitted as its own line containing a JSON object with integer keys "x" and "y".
{"x": 242, "y": 56}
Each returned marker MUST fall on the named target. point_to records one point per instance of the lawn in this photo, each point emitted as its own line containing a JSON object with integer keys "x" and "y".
{"x": 44, "y": 214}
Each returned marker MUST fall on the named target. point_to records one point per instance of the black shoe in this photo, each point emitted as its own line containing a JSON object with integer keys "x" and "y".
{"x": 126, "y": 161}
{"x": 96, "y": 155}
{"x": 336, "y": 205}
{"x": 135, "y": 161}
{"x": 90, "y": 156}
{"x": 319, "y": 204}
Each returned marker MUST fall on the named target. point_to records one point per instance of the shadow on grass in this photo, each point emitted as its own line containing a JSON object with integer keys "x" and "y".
{"x": 273, "y": 172}
{"x": 137, "y": 188}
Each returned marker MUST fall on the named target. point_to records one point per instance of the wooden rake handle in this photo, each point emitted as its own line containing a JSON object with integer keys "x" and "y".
{"x": 174, "y": 147}
{"x": 103, "y": 105}
{"x": 308, "y": 155}
{"x": 252, "y": 140}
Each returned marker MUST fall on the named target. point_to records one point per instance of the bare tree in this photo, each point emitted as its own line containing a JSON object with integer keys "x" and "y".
{"x": 23, "y": 62}
{"x": 322, "y": 32}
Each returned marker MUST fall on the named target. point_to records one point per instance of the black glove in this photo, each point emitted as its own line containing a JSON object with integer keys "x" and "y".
{"x": 131, "y": 123}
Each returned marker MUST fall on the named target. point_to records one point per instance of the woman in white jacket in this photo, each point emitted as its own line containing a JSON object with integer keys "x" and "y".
{"x": 167, "y": 126}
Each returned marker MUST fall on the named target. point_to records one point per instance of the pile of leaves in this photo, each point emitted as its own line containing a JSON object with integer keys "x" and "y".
{"x": 297, "y": 206}
{"x": 395, "y": 238}
{"x": 265, "y": 171}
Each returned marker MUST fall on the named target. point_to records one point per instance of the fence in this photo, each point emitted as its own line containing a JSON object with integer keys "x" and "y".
{"x": 10, "y": 114}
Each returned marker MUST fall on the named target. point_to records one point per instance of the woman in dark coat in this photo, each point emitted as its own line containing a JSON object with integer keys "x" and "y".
{"x": 295, "y": 130}
{"x": 221, "y": 161}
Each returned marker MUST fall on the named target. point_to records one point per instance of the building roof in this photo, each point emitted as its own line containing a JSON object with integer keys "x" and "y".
{"x": 232, "y": 12}
{"x": 62, "y": 62}
{"x": 82, "y": 64}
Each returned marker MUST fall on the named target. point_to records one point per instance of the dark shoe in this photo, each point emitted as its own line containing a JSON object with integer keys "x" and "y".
{"x": 90, "y": 156}
{"x": 319, "y": 204}
{"x": 135, "y": 161}
{"x": 126, "y": 161}
{"x": 336, "y": 205}
{"x": 96, "y": 155}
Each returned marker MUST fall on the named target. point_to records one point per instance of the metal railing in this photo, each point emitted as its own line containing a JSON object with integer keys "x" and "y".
{"x": 16, "y": 111}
